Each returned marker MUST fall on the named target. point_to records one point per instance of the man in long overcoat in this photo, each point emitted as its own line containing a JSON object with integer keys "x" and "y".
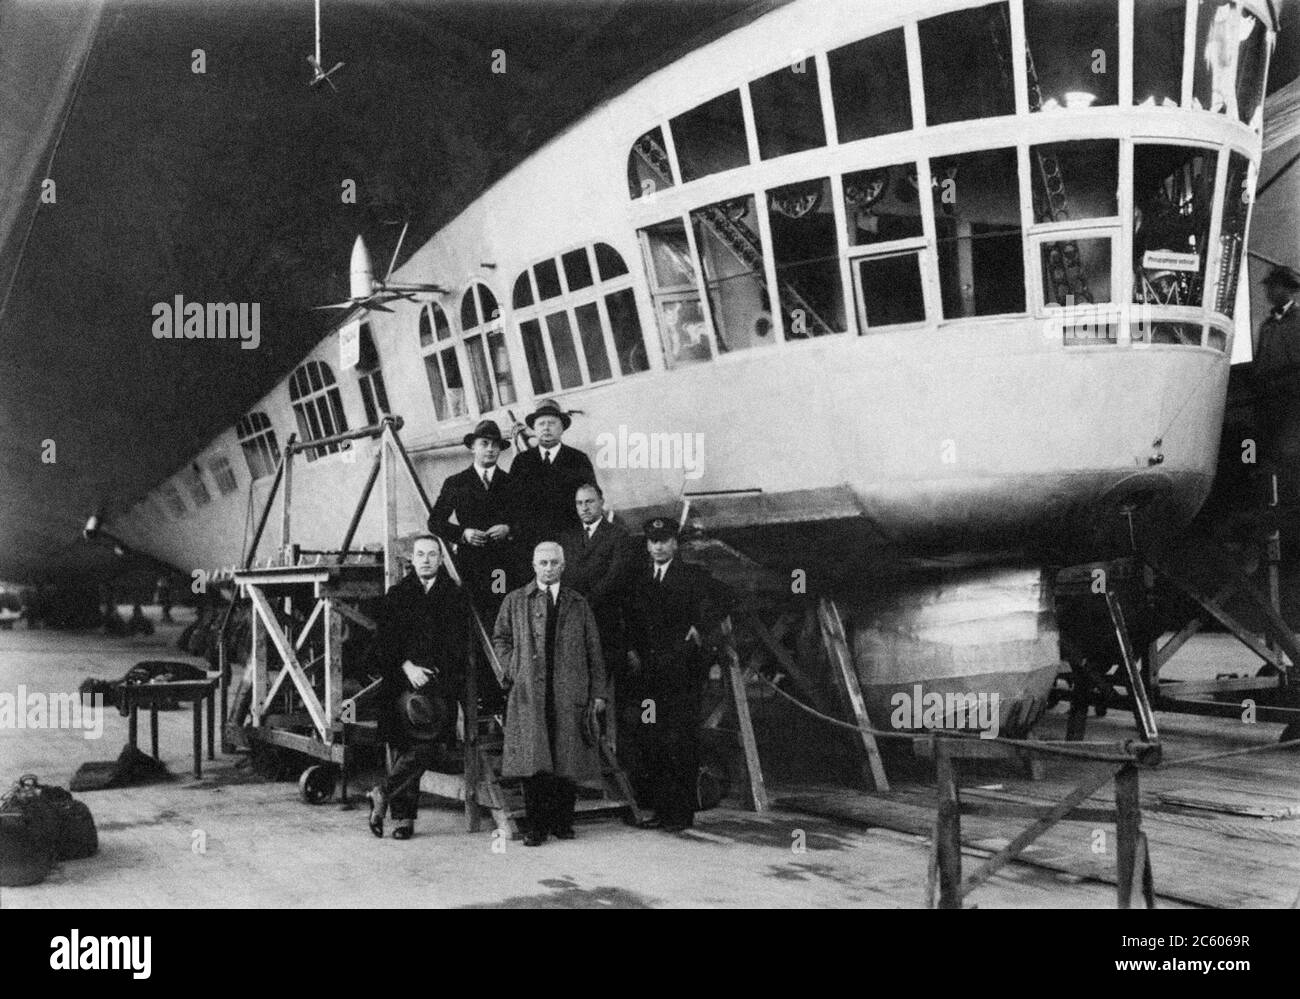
{"x": 547, "y": 642}
{"x": 419, "y": 650}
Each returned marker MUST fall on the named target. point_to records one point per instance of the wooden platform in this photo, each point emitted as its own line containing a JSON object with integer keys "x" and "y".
{"x": 1215, "y": 836}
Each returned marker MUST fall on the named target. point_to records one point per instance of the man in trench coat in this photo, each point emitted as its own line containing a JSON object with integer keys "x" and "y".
{"x": 548, "y": 644}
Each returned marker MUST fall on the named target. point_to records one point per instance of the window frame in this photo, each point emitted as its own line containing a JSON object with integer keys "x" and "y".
{"x": 568, "y": 302}
{"x": 262, "y": 439}
{"x": 307, "y": 418}
{"x": 482, "y": 333}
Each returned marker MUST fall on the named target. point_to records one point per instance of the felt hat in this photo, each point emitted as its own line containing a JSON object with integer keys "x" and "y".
{"x": 488, "y": 430}
{"x": 548, "y": 407}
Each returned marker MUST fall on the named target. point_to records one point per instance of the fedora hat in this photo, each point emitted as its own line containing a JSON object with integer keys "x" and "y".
{"x": 1283, "y": 276}
{"x": 426, "y": 714}
{"x": 548, "y": 407}
{"x": 489, "y": 430}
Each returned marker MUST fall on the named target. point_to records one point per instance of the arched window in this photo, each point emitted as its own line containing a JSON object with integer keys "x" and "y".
{"x": 374, "y": 396}
{"x": 648, "y": 166}
{"x": 223, "y": 474}
{"x": 586, "y": 292}
{"x": 171, "y": 498}
{"x": 317, "y": 406}
{"x": 257, "y": 438}
{"x": 442, "y": 364}
{"x": 485, "y": 349}
{"x": 194, "y": 484}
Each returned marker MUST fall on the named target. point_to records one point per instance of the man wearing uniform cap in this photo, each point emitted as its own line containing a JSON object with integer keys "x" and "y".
{"x": 666, "y": 620}
{"x": 546, "y": 477}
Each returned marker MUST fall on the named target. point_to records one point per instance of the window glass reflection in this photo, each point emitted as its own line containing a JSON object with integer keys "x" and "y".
{"x": 870, "y": 87}
{"x": 1076, "y": 271}
{"x": 966, "y": 64}
{"x": 1237, "y": 195}
{"x": 648, "y": 169}
{"x": 788, "y": 110}
{"x": 626, "y": 327}
{"x": 1229, "y": 57}
{"x": 977, "y": 220}
{"x": 593, "y": 341}
{"x": 1072, "y": 48}
{"x": 802, "y": 220}
{"x": 1173, "y": 189}
{"x": 882, "y": 204}
{"x": 731, "y": 255}
{"x": 535, "y": 352}
{"x": 1075, "y": 180}
{"x": 710, "y": 138}
{"x": 676, "y": 299}
{"x": 1158, "y": 29}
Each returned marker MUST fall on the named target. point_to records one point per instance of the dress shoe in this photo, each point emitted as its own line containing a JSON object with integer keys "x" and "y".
{"x": 565, "y": 833}
{"x": 378, "y": 809}
{"x": 534, "y": 839}
{"x": 653, "y": 822}
{"x": 405, "y": 829}
{"x": 676, "y": 826}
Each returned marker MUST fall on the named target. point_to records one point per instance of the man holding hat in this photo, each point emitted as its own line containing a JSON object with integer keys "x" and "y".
{"x": 482, "y": 500}
{"x": 667, "y": 667}
{"x": 547, "y": 476}
{"x": 419, "y": 651}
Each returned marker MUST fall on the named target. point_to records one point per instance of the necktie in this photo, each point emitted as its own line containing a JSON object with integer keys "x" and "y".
{"x": 659, "y": 575}
{"x": 546, "y": 457}
{"x": 550, "y": 593}
{"x": 487, "y": 483}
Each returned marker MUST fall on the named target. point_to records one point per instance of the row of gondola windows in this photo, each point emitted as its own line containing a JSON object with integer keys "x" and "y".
{"x": 1071, "y": 61}
{"x": 708, "y": 270}
{"x": 586, "y": 291}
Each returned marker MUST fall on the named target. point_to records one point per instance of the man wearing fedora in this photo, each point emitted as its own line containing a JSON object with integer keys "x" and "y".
{"x": 547, "y": 476}
{"x": 668, "y": 604}
{"x": 476, "y": 511}
{"x": 419, "y": 651}
{"x": 548, "y": 644}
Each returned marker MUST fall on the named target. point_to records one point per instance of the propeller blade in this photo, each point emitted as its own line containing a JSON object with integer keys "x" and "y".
{"x": 396, "y": 250}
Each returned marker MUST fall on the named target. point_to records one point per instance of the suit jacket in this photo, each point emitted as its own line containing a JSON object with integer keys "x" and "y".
{"x": 1278, "y": 356}
{"x": 659, "y": 616}
{"x": 519, "y": 639}
{"x": 430, "y": 629}
{"x": 545, "y": 492}
{"x": 601, "y": 570}
{"x": 463, "y": 494}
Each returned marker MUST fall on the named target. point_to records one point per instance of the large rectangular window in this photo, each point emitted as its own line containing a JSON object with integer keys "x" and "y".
{"x": 1076, "y": 271}
{"x": 1072, "y": 57}
{"x": 882, "y": 205}
{"x": 446, "y": 385}
{"x": 1230, "y": 53}
{"x": 711, "y": 137}
{"x": 1173, "y": 188}
{"x": 626, "y": 327}
{"x": 566, "y": 358}
{"x": 1158, "y": 30}
{"x": 977, "y": 220}
{"x": 592, "y": 337}
{"x": 870, "y": 88}
{"x": 802, "y": 220}
{"x": 727, "y": 237}
{"x": 788, "y": 110}
{"x": 889, "y": 291}
{"x": 1075, "y": 180}
{"x": 966, "y": 65}
{"x": 676, "y": 296}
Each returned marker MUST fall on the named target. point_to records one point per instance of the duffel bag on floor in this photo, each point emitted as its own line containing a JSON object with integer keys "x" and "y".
{"x": 77, "y": 835}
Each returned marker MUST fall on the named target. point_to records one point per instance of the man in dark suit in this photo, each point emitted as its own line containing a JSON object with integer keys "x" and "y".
{"x": 482, "y": 499}
{"x": 547, "y": 476}
{"x": 599, "y": 560}
{"x": 667, "y": 607}
{"x": 419, "y": 652}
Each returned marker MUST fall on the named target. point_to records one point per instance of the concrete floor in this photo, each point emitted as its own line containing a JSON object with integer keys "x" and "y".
{"x": 234, "y": 840}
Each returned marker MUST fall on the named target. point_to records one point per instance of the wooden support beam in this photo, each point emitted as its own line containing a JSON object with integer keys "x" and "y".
{"x": 1142, "y": 713}
{"x": 289, "y": 660}
{"x": 1127, "y": 828}
{"x": 947, "y": 833}
{"x": 837, "y": 647}
{"x": 757, "y": 787}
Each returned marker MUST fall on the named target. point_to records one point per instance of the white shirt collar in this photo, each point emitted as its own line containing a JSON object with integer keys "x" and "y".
{"x": 591, "y": 528}
{"x": 1282, "y": 312}
{"x": 428, "y": 585}
{"x": 550, "y": 452}
{"x": 661, "y": 568}
{"x": 485, "y": 473}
